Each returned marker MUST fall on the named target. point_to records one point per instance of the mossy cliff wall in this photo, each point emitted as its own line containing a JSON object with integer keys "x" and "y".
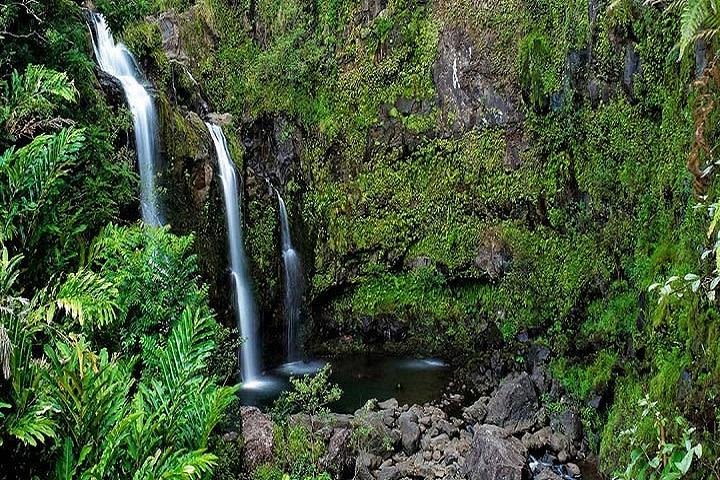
{"x": 456, "y": 173}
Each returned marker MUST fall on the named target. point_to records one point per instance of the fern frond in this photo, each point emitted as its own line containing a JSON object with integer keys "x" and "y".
{"x": 176, "y": 465}
{"x": 29, "y": 175}
{"x": 87, "y": 295}
{"x": 35, "y": 93}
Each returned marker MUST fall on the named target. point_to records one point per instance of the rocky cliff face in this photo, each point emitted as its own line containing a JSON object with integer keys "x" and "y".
{"x": 458, "y": 174}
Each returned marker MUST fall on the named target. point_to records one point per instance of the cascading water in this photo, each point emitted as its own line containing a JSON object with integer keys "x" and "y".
{"x": 293, "y": 286}
{"x": 244, "y": 302}
{"x": 116, "y": 60}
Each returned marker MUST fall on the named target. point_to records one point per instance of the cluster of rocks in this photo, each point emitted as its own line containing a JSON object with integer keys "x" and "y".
{"x": 506, "y": 435}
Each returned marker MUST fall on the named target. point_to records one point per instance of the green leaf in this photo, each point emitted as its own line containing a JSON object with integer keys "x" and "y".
{"x": 685, "y": 463}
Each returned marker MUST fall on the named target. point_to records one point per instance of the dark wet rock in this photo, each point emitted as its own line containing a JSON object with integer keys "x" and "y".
{"x": 418, "y": 262}
{"x": 495, "y": 455}
{"x": 469, "y": 92}
{"x": 632, "y": 67}
{"x": 483, "y": 374}
{"x": 700, "y": 52}
{"x": 409, "y": 432}
{"x": 569, "y": 424}
{"x": 514, "y": 405}
{"x": 339, "y": 460}
{"x": 516, "y": 145}
{"x": 111, "y": 87}
{"x": 547, "y": 474}
{"x": 257, "y": 432}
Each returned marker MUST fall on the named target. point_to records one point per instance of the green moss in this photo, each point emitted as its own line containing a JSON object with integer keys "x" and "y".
{"x": 582, "y": 380}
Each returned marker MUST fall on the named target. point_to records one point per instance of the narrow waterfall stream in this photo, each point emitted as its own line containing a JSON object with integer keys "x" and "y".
{"x": 293, "y": 287}
{"x": 244, "y": 303}
{"x": 116, "y": 60}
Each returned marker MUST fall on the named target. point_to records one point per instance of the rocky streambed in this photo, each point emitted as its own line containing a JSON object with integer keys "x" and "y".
{"x": 524, "y": 429}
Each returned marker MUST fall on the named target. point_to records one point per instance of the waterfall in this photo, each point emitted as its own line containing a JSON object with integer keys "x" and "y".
{"x": 244, "y": 302}
{"x": 116, "y": 60}
{"x": 293, "y": 286}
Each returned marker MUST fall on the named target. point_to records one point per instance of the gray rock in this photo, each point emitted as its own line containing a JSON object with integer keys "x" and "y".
{"x": 547, "y": 474}
{"x": 632, "y": 67}
{"x": 257, "y": 432}
{"x": 514, "y": 405}
{"x": 495, "y": 455}
{"x": 221, "y": 119}
{"x": 573, "y": 469}
{"x": 470, "y": 91}
{"x": 388, "y": 473}
{"x": 476, "y": 412}
{"x": 569, "y": 424}
{"x": 388, "y": 404}
{"x": 338, "y": 460}
{"x": 409, "y": 432}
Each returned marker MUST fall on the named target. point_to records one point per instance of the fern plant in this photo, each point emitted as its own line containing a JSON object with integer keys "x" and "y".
{"x": 30, "y": 178}
{"x": 27, "y": 100}
{"x": 159, "y": 432}
{"x": 699, "y": 20}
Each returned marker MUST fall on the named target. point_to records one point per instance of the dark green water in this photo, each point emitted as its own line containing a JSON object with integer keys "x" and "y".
{"x": 361, "y": 377}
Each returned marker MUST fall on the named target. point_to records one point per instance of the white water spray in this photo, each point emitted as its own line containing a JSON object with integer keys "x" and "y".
{"x": 244, "y": 302}
{"x": 293, "y": 286}
{"x": 116, "y": 60}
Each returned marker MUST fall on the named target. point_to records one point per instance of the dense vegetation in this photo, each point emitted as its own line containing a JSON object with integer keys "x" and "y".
{"x": 565, "y": 211}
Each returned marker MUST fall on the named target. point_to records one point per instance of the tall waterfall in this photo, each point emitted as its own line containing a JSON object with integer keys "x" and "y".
{"x": 116, "y": 60}
{"x": 244, "y": 302}
{"x": 293, "y": 286}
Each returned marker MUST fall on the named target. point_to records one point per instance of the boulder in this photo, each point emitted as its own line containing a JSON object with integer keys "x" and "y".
{"x": 338, "y": 460}
{"x": 409, "y": 432}
{"x": 514, "y": 405}
{"x": 495, "y": 455}
{"x": 391, "y": 404}
{"x": 257, "y": 432}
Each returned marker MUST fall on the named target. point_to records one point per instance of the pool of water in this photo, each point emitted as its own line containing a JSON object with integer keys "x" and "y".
{"x": 361, "y": 377}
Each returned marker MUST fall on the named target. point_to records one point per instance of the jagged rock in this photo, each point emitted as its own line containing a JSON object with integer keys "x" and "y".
{"x": 569, "y": 424}
{"x": 409, "y": 432}
{"x": 514, "y": 405}
{"x": 469, "y": 92}
{"x": 111, "y": 87}
{"x": 379, "y": 440}
{"x": 495, "y": 455}
{"x": 257, "y": 431}
{"x": 418, "y": 262}
{"x": 388, "y": 473}
{"x": 476, "y": 412}
{"x": 338, "y": 460}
